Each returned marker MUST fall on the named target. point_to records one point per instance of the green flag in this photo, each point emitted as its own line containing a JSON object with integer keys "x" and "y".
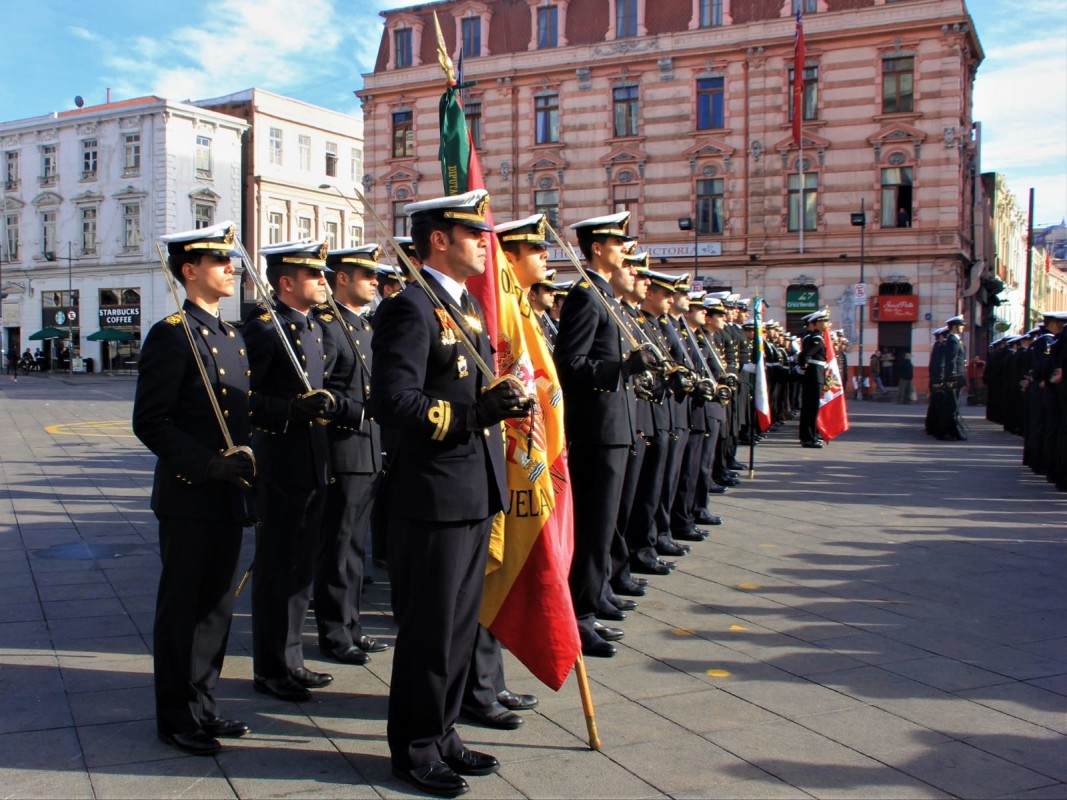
{"x": 455, "y": 151}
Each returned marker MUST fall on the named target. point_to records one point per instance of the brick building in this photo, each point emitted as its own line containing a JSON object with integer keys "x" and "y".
{"x": 680, "y": 112}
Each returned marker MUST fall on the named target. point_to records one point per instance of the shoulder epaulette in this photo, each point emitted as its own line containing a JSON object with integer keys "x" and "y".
{"x": 326, "y": 317}
{"x": 583, "y": 285}
{"x": 173, "y": 319}
{"x": 265, "y": 317}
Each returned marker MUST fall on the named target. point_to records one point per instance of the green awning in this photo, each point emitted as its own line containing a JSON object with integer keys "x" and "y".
{"x": 49, "y": 333}
{"x": 111, "y": 335}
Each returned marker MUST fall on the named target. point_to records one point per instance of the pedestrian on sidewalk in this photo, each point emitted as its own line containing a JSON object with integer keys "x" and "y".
{"x": 905, "y": 374}
{"x": 876, "y": 371}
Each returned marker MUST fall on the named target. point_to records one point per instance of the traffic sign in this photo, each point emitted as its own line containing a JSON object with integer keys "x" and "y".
{"x": 860, "y": 293}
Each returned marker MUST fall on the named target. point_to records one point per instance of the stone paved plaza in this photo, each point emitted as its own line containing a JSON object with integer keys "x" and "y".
{"x": 882, "y": 618}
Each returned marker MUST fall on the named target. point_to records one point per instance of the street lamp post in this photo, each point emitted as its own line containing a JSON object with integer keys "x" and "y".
{"x": 860, "y": 220}
{"x": 689, "y": 223}
{"x": 70, "y": 299}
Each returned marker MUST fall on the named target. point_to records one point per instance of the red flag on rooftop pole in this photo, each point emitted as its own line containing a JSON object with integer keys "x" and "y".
{"x": 526, "y": 602}
{"x": 832, "y": 420}
{"x": 798, "y": 79}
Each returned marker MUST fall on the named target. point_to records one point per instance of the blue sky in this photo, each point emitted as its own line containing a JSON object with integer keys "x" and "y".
{"x": 316, "y": 50}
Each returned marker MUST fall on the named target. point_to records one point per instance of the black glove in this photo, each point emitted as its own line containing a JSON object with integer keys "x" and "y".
{"x": 314, "y": 406}
{"x": 706, "y": 390}
{"x": 644, "y": 386}
{"x": 236, "y": 469}
{"x": 680, "y": 383}
{"x": 500, "y": 402}
{"x": 639, "y": 361}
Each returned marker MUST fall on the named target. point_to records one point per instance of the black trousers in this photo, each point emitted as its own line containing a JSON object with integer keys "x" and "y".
{"x": 672, "y": 472}
{"x": 619, "y": 566}
{"x": 641, "y": 526}
{"x": 597, "y": 475}
{"x": 485, "y": 679}
{"x": 707, "y": 458}
{"x": 437, "y": 571}
{"x": 194, "y": 608}
{"x": 681, "y": 519}
{"x": 287, "y": 544}
{"x": 341, "y": 558}
{"x": 811, "y": 389}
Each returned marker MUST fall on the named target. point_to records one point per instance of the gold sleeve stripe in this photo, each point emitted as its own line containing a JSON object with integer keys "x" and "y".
{"x": 440, "y": 415}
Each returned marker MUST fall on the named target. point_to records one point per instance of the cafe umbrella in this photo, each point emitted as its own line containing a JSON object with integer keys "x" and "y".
{"x": 48, "y": 333}
{"x": 111, "y": 335}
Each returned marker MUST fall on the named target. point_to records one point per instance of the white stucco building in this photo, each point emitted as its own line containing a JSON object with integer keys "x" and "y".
{"x": 85, "y": 195}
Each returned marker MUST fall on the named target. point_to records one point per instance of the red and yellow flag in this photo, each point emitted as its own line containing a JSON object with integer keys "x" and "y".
{"x": 527, "y": 601}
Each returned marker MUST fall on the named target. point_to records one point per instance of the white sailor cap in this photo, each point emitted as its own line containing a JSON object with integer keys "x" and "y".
{"x": 548, "y": 281}
{"x": 697, "y": 297}
{"x": 956, "y": 320}
{"x": 720, "y": 296}
{"x": 818, "y": 316}
{"x": 407, "y": 245}
{"x": 661, "y": 279}
{"x": 713, "y": 304}
{"x": 467, "y": 209}
{"x": 301, "y": 253}
{"x": 218, "y": 240}
{"x": 366, "y": 256}
{"x": 940, "y": 331}
{"x": 616, "y": 225}
{"x": 639, "y": 260}
{"x": 1060, "y": 315}
{"x": 681, "y": 284}
{"x": 530, "y": 230}
{"x": 562, "y": 288}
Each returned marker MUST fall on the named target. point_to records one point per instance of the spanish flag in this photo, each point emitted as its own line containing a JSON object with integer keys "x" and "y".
{"x": 527, "y": 601}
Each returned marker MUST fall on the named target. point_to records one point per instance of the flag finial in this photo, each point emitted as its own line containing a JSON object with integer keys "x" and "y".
{"x": 442, "y": 54}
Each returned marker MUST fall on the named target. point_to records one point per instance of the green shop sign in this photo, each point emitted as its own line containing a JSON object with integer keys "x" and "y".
{"x": 801, "y": 299}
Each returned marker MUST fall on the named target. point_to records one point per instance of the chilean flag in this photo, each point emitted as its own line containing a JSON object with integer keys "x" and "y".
{"x": 798, "y": 79}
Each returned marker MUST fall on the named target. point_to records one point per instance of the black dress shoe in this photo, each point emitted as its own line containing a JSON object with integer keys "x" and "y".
{"x": 642, "y": 582}
{"x": 310, "y": 680}
{"x": 705, "y": 517}
{"x": 622, "y": 604}
{"x": 815, "y": 445}
{"x": 195, "y": 743}
{"x": 494, "y": 716}
{"x": 471, "y": 762}
{"x": 513, "y": 701}
{"x": 735, "y": 464}
{"x": 671, "y": 548}
{"x": 282, "y": 688}
{"x": 650, "y": 568}
{"x": 608, "y": 634}
{"x": 596, "y": 647}
{"x": 436, "y": 778}
{"x": 350, "y": 655}
{"x": 691, "y": 535}
{"x": 368, "y": 644}
{"x": 629, "y": 588}
{"x": 717, "y": 489}
{"x": 226, "y": 728}
{"x": 611, "y": 614}
{"x": 727, "y": 480}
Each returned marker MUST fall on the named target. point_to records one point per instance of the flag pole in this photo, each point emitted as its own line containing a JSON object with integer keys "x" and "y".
{"x": 587, "y": 703}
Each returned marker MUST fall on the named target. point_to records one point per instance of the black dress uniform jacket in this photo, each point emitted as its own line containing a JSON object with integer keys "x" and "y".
{"x": 200, "y": 520}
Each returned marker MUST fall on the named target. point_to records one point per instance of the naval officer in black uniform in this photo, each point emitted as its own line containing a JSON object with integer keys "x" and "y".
{"x": 594, "y": 366}
{"x": 200, "y": 492}
{"x": 355, "y": 457}
{"x": 290, "y": 440}
{"x": 812, "y": 366}
{"x": 444, "y": 483}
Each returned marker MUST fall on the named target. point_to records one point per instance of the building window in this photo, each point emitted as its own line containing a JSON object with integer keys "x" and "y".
{"x": 806, "y": 6}
{"x": 356, "y": 165}
{"x": 898, "y": 76}
{"x": 710, "y": 205}
{"x": 274, "y": 151}
{"x": 303, "y": 144}
{"x": 624, "y": 197}
{"x": 303, "y": 227}
{"x": 12, "y": 245}
{"x": 402, "y": 47}
{"x": 403, "y": 135}
{"x": 11, "y": 169}
{"x": 472, "y": 110}
{"x": 547, "y": 27}
{"x": 203, "y": 215}
{"x": 547, "y": 202}
{"x": 203, "y": 156}
{"x": 331, "y": 159}
{"x": 332, "y": 234}
{"x": 274, "y": 227}
{"x": 710, "y": 13}
{"x": 472, "y": 36}
{"x": 355, "y": 235}
{"x": 711, "y": 105}
{"x": 49, "y": 164}
{"x": 546, "y": 112}
{"x": 625, "y": 106}
{"x": 131, "y": 164}
{"x": 89, "y": 159}
{"x": 625, "y": 18}
{"x": 810, "y": 101}
{"x": 401, "y": 221}
{"x": 48, "y": 232}
{"x": 896, "y": 197}
{"x": 89, "y": 231}
{"x": 131, "y": 226}
{"x": 809, "y": 202}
